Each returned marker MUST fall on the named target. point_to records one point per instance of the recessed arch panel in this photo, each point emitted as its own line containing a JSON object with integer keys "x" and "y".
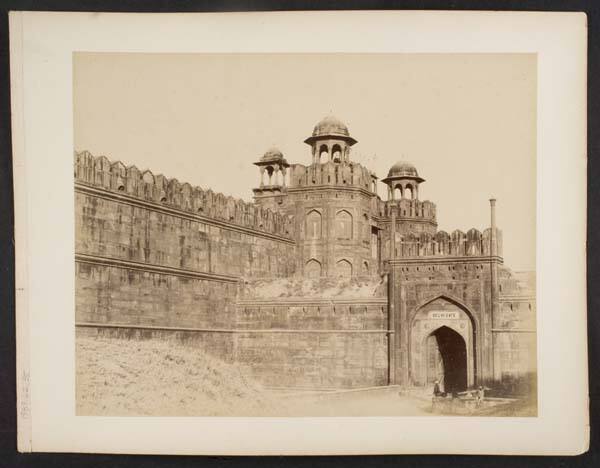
{"x": 313, "y": 225}
{"x": 440, "y": 322}
{"x": 312, "y": 269}
{"x": 343, "y": 225}
{"x": 343, "y": 268}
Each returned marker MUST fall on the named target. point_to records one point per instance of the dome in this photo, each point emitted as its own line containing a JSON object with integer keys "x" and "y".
{"x": 272, "y": 154}
{"x": 330, "y": 125}
{"x": 403, "y": 169}
{"x": 333, "y": 127}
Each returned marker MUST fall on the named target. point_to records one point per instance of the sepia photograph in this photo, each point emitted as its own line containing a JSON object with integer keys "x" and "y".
{"x": 300, "y": 233}
{"x": 304, "y": 235}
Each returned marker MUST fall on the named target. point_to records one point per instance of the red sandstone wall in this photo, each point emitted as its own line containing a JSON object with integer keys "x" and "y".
{"x": 119, "y": 229}
{"x": 314, "y": 344}
{"x": 114, "y": 295}
{"x": 147, "y": 268}
{"x": 315, "y": 360}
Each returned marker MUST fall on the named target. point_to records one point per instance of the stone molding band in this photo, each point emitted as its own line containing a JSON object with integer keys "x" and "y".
{"x": 152, "y": 268}
{"x": 485, "y": 259}
{"x": 513, "y": 298}
{"x": 224, "y": 330}
{"x": 311, "y": 302}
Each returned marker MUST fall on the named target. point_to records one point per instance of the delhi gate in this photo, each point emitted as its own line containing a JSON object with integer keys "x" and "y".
{"x": 319, "y": 283}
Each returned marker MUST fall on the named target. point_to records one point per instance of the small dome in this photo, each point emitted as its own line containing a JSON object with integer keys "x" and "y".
{"x": 403, "y": 169}
{"x": 272, "y": 154}
{"x": 330, "y": 125}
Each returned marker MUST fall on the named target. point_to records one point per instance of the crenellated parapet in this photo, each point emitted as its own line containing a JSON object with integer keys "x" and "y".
{"x": 473, "y": 243}
{"x": 333, "y": 174}
{"x": 100, "y": 172}
{"x": 408, "y": 208}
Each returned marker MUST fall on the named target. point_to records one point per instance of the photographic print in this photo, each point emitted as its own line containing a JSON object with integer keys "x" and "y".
{"x": 305, "y": 234}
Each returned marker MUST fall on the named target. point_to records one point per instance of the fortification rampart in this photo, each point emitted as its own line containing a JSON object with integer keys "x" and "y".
{"x": 406, "y": 208}
{"x": 330, "y": 173}
{"x": 157, "y": 259}
{"x": 143, "y": 261}
{"x": 313, "y": 344}
{"x": 473, "y": 243}
{"x": 297, "y": 299}
{"x": 100, "y": 172}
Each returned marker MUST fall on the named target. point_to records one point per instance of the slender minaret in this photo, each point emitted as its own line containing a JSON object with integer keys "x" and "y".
{"x": 493, "y": 246}
{"x": 393, "y": 234}
{"x": 493, "y": 278}
{"x": 392, "y": 302}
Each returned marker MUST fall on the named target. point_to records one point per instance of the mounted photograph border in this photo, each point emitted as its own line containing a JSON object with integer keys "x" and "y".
{"x": 562, "y": 105}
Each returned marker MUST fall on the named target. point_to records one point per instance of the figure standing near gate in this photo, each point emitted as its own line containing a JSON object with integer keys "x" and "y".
{"x": 436, "y": 389}
{"x": 480, "y": 395}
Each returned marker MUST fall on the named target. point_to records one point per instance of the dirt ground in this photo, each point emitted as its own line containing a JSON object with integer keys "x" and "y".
{"x": 121, "y": 377}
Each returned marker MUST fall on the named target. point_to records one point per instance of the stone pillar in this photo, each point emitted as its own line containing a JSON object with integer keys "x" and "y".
{"x": 393, "y": 235}
{"x": 493, "y": 246}
{"x": 262, "y": 176}
{"x": 379, "y": 254}
{"x": 402, "y": 335}
{"x": 329, "y": 244}
{"x": 391, "y": 326}
{"x": 494, "y": 299}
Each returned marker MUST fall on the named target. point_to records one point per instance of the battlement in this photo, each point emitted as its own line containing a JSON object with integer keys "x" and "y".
{"x": 100, "y": 172}
{"x": 330, "y": 173}
{"x": 407, "y": 208}
{"x": 473, "y": 243}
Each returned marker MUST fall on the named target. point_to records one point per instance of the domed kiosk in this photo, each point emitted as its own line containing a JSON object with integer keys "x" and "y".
{"x": 330, "y": 141}
{"x": 403, "y": 180}
{"x": 273, "y": 163}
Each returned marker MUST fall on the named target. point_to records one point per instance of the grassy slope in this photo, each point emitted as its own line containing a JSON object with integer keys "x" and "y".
{"x": 117, "y": 377}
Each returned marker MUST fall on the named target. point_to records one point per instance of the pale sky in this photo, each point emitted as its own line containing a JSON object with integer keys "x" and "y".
{"x": 466, "y": 121}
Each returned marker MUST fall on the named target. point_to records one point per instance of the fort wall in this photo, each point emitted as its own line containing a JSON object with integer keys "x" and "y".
{"x": 473, "y": 243}
{"x": 307, "y": 294}
{"x": 116, "y": 177}
{"x": 322, "y": 344}
{"x": 140, "y": 260}
{"x": 157, "y": 259}
{"x": 330, "y": 173}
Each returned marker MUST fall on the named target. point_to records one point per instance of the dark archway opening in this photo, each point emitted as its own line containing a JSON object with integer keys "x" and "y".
{"x": 453, "y": 351}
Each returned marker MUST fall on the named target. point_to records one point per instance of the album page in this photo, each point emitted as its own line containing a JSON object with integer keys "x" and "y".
{"x": 300, "y": 233}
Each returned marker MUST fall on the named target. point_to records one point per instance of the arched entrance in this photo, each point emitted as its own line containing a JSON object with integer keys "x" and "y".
{"x": 442, "y": 346}
{"x": 447, "y": 359}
